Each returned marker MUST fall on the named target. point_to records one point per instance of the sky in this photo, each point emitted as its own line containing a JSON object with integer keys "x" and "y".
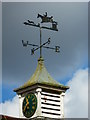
{"x": 0, "y": 53}
{"x": 69, "y": 67}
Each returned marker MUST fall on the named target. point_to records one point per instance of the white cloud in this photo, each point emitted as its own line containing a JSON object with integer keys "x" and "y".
{"x": 89, "y": 92}
{"x": 76, "y": 99}
{"x": 10, "y": 108}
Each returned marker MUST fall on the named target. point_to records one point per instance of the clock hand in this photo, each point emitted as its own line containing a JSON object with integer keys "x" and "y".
{"x": 26, "y": 106}
{"x": 27, "y": 103}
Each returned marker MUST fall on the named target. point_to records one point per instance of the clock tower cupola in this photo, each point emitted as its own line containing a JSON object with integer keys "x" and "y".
{"x": 41, "y": 97}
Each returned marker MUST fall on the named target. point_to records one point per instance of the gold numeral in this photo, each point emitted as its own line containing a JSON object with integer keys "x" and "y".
{"x": 33, "y": 99}
{"x": 33, "y": 107}
{"x": 34, "y": 102}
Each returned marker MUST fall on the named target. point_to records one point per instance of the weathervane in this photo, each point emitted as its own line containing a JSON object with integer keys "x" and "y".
{"x": 45, "y": 19}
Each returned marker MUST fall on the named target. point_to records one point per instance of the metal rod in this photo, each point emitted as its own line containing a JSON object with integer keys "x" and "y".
{"x": 33, "y": 45}
{"x": 40, "y": 44}
{"x": 39, "y": 26}
{"x": 36, "y": 49}
{"x": 44, "y": 43}
{"x": 44, "y": 47}
{"x": 49, "y": 47}
{"x": 31, "y": 24}
{"x": 49, "y": 28}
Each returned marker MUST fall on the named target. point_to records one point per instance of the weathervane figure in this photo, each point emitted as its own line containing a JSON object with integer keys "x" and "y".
{"x": 54, "y": 28}
{"x": 45, "y": 18}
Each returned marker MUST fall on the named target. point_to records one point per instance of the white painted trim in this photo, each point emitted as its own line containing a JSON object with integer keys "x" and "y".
{"x": 50, "y": 116}
{"x": 50, "y": 106}
{"x": 51, "y": 98}
{"x": 62, "y": 104}
{"x": 50, "y": 94}
{"x": 51, "y": 111}
{"x": 49, "y": 102}
{"x": 38, "y": 112}
{"x": 20, "y": 106}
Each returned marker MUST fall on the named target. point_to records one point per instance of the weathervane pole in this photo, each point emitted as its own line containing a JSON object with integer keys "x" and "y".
{"x": 40, "y": 43}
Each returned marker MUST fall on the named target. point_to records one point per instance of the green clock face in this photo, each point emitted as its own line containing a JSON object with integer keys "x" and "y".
{"x": 29, "y": 105}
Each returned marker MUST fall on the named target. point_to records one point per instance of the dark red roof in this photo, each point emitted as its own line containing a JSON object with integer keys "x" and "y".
{"x": 4, "y": 117}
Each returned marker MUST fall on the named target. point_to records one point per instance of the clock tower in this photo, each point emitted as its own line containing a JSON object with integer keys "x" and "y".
{"x": 41, "y": 96}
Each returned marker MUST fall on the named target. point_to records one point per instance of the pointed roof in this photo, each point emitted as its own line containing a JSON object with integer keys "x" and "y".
{"x": 41, "y": 76}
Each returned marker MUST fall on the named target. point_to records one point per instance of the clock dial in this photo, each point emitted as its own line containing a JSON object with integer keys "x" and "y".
{"x": 29, "y": 105}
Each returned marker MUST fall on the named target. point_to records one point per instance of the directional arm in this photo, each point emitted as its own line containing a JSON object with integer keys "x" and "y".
{"x": 32, "y": 50}
{"x": 56, "y": 48}
{"x": 25, "y": 44}
{"x": 31, "y": 24}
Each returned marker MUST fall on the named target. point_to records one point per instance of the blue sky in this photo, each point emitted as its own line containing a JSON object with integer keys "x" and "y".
{"x": 18, "y": 65}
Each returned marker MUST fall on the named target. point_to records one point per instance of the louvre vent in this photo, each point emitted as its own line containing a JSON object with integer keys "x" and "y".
{"x": 50, "y": 105}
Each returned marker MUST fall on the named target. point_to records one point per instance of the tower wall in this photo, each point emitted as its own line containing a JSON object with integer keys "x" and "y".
{"x": 52, "y": 105}
{"x": 49, "y": 104}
